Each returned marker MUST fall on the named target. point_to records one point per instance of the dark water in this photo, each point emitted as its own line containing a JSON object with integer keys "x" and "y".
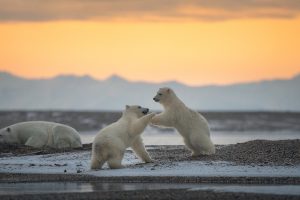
{"x": 226, "y": 127}
{"x": 71, "y": 187}
{"x": 219, "y": 121}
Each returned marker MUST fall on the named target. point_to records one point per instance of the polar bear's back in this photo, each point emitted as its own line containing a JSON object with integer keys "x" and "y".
{"x": 203, "y": 124}
{"x": 66, "y": 136}
{"x": 47, "y": 134}
{"x": 112, "y": 135}
{"x": 25, "y": 130}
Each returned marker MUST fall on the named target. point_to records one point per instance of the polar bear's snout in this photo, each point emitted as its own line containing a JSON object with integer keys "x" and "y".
{"x": 145, "y": 111}
{"x": 156, "y": 99}
{"x": 159, "y": 96}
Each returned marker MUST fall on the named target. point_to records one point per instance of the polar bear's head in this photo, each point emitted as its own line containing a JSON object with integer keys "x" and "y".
{"x": 7, "y": 136}
{"x": 164, "y": 95}
{"x": 136, "y": 110}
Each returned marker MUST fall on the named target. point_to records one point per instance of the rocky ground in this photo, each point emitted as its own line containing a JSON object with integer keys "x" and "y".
{"x": 261, "y": 152}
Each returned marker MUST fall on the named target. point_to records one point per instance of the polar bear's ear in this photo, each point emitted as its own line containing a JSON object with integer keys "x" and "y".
{"x": 8, "y": 129}
{"x": 168, "y": 90}
{"x": 127, "y": 106}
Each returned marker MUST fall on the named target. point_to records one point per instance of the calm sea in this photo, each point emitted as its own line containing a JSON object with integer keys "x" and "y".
{"x": 226, "y": 127}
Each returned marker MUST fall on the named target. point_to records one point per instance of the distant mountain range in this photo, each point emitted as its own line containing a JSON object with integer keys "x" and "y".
{"x": 86, "y": 93}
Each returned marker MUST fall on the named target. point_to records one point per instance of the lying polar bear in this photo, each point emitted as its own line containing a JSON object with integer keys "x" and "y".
{"x": 41, "y": 134}
{"x": 192, "y": 126}
{"x": 112, "y": 141}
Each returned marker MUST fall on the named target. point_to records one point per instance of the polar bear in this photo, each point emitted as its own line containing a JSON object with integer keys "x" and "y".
{"x": 192, "y": 126}
{"x": 111, "y": 142}
{"x": 41, "y": 134}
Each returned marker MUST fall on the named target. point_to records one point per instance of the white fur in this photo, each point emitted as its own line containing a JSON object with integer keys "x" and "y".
{"x": 192, "y": 126}
{"x": 40, "y": 134}
{"x": 111, "y": 142}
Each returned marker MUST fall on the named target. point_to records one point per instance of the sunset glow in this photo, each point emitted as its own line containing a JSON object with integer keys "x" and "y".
{"x": 195, "y": 52}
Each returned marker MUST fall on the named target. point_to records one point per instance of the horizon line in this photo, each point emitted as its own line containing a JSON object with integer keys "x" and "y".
{"x": 142, "y": 81}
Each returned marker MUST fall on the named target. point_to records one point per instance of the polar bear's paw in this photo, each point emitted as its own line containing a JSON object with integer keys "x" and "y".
{"x": 150, "y": 161}
{"x": 198, "y": 155}
{"x": 115, "y": 163}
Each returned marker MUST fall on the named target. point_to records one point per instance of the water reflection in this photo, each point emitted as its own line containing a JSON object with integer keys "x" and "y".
{"x": 260, "y": 189}
{"x": 218, "y": 137}
{"x": 59, "y": 187}
{"x": 70, "y": 187}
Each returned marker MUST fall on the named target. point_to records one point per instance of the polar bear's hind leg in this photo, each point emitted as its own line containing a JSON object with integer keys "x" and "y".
{"x": 76, "y": 144}
{"x": 201, "y": 145}
{"x": 36, "y": 141}
{"x": 98, "y": 158}
{"x": 97, "y": 163}
{"x": 65, "y": 138}
{"x": 115, "y": 161}
{"x": 190, "y": 146}
{"x": 63, "y": 143}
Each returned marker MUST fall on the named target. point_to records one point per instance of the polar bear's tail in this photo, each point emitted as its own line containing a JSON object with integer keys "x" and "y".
{"x": 98, "y": 159}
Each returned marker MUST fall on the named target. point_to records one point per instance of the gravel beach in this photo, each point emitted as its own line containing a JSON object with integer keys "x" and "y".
{"x": 253, "y": 153}
{"x": 174, "y": 194}
{"x": 258, "y": 152}
{"x": 257, "y": 163}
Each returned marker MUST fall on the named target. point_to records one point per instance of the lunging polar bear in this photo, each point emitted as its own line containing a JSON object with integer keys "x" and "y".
{"x": 111, "y": 142}
{"x": 192, "y": 126}
{"x": 40, "y": 134}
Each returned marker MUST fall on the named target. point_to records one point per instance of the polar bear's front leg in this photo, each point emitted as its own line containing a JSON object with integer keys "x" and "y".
{"x": 139, "y": 148}
{"x": 161, "y": 120}
{"x": 140, "y": 124}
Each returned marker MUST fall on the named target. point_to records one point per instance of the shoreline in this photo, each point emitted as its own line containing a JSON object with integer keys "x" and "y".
{"x": 258, "y": 164}
{"x": 33, "y": 178}
{"x": 176, "y": 194}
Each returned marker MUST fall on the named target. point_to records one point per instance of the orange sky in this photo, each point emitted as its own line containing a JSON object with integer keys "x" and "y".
{"x": 192, "y": 52}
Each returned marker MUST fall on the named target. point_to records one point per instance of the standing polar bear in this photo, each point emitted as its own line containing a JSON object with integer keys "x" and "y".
{"x": 112, "y": 141}
{"x": 192, "y": 126}
{"x": 40, "y": 134}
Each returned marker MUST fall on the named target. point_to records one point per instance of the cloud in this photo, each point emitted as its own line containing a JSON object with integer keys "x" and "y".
{"x": 161, "y": 10}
